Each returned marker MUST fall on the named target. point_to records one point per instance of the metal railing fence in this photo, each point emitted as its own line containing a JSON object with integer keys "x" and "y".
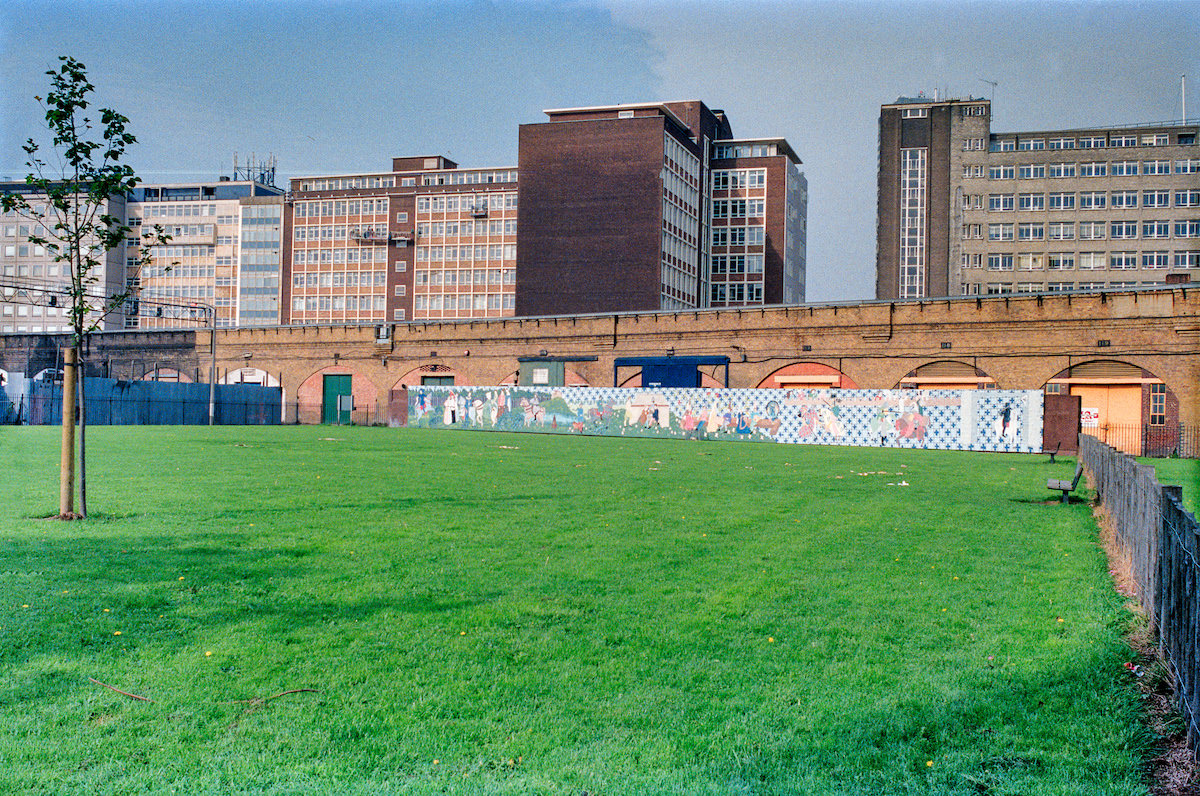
{"x": 1161, "y": 542}
{"x": 1158, "y": 441}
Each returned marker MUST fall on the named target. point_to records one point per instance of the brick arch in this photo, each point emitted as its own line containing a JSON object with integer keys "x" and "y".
{"x": 310, "y": 393}
{"x": 706, "y": 380}
{"x": 165, "y": 374}
{"x": 1122, "y": 403}
{"x": 570, "y": 379}
{"x": 413, "y": 377}
{"x": 946, "y": 374}
{"x": 808, "y": 374}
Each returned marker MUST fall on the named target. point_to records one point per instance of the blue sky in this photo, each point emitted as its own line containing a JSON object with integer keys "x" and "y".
{"x": 336, "y": 87}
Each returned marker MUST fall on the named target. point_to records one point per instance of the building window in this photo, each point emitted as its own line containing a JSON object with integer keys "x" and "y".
{"x": 1062, "y": 261}
{"x": 913, "y": 209}
{"x": 1031, "y": 144}
{"x": 1093, "y": 169}
{"x": 1123, "y": 261}
{"x": 1000, "y": 231}
{"x": 1156, "y": 198}
{"x": 1187, "y": 260}
{"x": 1154, "y": 260}
{"x": 1189, "y": 228}
{"x": 1002, "y": 172}
{"x": 1031, "y": 232}
{"x": 1032, "y": 201}
{"x": 1000, "y": 201}
{"x": 1091, "y": 141}
{"x": 1124, "y": 140}
{"x": 1000, "y": 262}
{"x": 1158, "y": 404}
{"x": 911, "y": 113}
{"x": 1093, "y": 200}
{"x": 1003, "y": 145}
{"x": 1062, "y": 201}
{"x": 1187, "y": 198}
{"x": 1156, "y": 167}
{"x": 1091, "y": 230}
{"x": 1062, "y": 230}
{"x": 1032, "y": 171}
{"x": 1155, "y": 139}
{"x": 1029, "y": 262}
{"x": 1124, "y": 230}
{"x": 1062, "y": 143}
{"x": 1156, "y": 229}
{"x": 1124, "y": 168}
{"x": 1127, "y": 199}
{"x": 1061, "y": 170}
{"x": 1187, "y": 166}
{"x": 1092, "y": 261}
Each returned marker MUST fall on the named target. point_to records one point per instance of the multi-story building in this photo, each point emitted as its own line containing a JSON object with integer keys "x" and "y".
{"x": 965, "y": 210}
{"x": 425, "y": 240}
{"x": 224, "y": 251}
{"x": 33, "y": 285}
{"x": 655, "y": 206}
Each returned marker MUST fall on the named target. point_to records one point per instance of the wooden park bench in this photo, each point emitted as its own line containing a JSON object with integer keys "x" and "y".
{"x": 1066, "y": 487}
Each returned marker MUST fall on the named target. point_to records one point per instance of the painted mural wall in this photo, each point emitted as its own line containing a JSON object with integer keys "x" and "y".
{"x": 980, "y": 420}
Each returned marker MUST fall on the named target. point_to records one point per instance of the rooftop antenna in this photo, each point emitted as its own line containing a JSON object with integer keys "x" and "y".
{"x": 1183, "y": 96}
{"x": 255, "y": 170}
{"x": 992, "y": 98}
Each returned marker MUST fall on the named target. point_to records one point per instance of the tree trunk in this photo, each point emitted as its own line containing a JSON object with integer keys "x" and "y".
{"x": 82, "y": 440}
{"x": 66, "y": 484}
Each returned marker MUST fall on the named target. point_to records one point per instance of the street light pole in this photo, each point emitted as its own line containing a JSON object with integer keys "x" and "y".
{"x": 212, "y": 367}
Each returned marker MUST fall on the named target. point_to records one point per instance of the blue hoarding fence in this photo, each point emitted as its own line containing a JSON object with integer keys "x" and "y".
{"x": 142, "y": 403}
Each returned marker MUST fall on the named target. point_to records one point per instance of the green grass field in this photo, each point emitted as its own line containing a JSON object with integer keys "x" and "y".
{"x": 1181, "y": 472}
{"x": 498, "y": 613}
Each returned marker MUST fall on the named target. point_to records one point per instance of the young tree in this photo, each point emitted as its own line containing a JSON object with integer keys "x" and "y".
{"x": 72, "y": 203}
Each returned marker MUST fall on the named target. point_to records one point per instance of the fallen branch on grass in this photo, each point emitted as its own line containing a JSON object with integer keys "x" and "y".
{"x": 262, "y": 700}
{"x": 119, "y": 691}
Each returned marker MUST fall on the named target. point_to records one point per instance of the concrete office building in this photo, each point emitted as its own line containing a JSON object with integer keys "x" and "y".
{"x": 224, "y": 251}
{"x": 963, "y": 210}
{"x": 33, "y": 287}
{"x": 425, "y": 240}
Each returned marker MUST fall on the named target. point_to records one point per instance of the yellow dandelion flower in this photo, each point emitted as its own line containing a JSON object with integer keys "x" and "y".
{"x": 26, "y": 605}
{"x": 208, "y": 654}
{"x": 116, "y": 632}
{"x": 929, "y": 764}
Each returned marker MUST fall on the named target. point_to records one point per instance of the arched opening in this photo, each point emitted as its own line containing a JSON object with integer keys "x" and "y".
{"x": 338, "y": 395}
{"x": 1123, "y": 405}
{"x": 808, "y": 374}
{"x": 706, "y": 380}
{"x": 166, "y": 374}
{"x": 570, "y": 379}
{"x": 432, "y": 373}
{"x": 946, "y": 375}
{"x": 256, "y": 376}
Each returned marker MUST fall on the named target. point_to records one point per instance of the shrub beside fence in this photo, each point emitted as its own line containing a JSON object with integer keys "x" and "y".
{"x": 1162, "y": 544}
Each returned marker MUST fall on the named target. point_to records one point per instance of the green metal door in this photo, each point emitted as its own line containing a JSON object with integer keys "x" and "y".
{"x": 335, "y": 401}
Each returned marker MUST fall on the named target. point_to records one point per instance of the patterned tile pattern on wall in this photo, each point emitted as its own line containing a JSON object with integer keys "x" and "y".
{"x": 982, "y": 420}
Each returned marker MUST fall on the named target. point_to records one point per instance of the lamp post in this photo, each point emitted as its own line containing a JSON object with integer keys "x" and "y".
{"x": 211, "y": 312}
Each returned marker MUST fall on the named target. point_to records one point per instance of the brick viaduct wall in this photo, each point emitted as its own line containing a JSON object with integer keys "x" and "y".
{"x": 1020, "y": 341}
